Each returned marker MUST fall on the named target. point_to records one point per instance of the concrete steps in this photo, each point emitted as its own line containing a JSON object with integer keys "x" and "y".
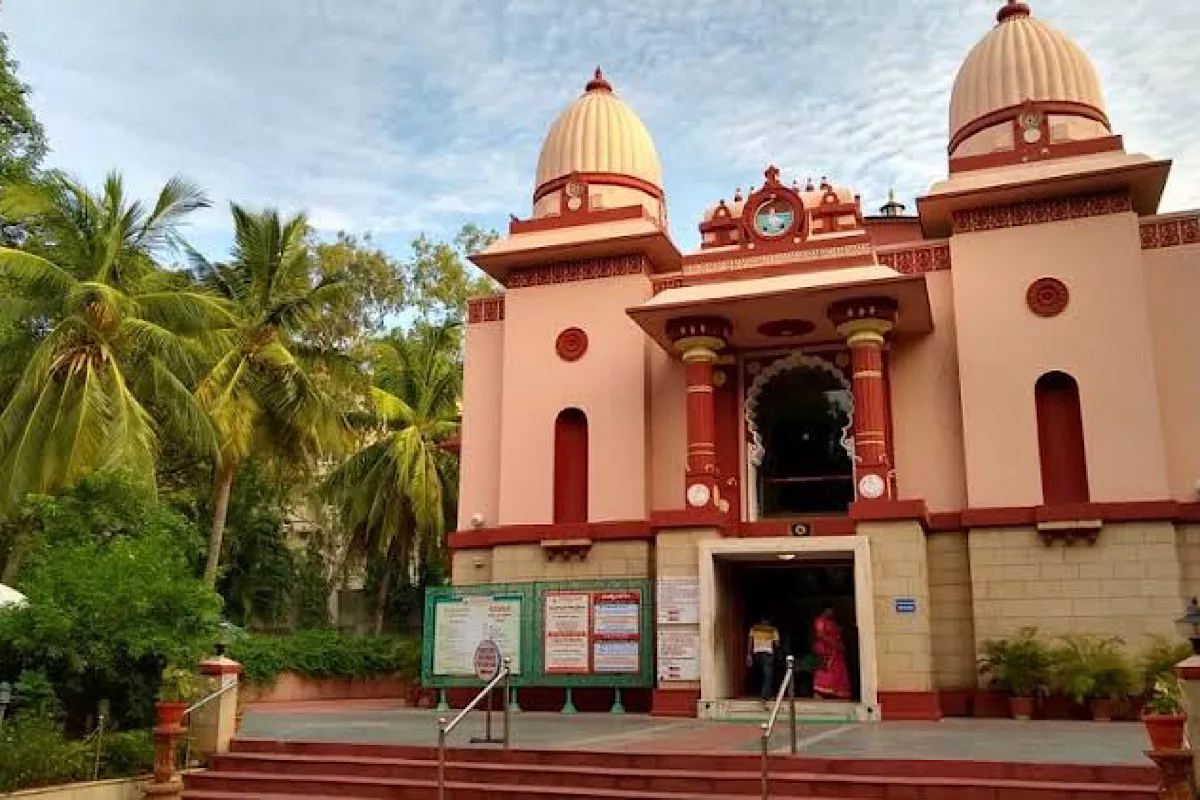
{"x": 808, "y": 712}
{"x": 270, "y": 770}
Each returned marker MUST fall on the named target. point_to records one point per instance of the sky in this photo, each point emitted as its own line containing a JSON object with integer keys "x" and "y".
{"x": 407, "y": 116}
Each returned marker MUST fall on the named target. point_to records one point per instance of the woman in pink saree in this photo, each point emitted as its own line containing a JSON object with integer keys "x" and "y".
{"x": 832, "y": 679}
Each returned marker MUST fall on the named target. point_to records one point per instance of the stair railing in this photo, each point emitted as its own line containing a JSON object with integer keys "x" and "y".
{"x": 788, "y": 688}
{"x": 445, "y": 728}
{"x": 189, "y": 719}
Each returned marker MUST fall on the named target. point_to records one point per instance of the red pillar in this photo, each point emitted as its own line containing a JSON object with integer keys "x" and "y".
{"x": 865, "y": 324}
{"x": 698, "y": 340}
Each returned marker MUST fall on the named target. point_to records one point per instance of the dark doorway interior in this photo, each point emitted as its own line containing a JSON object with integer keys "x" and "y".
{"x": 802, "y": 417}
{"x": 791, "y": 595}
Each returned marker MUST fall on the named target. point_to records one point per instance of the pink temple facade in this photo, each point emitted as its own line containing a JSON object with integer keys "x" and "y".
{"x": 944, "y": 426}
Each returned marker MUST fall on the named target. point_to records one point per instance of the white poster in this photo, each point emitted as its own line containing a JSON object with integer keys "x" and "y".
{"x": 566, "y": 639}
{"x": 461, "y": 623}
{"x": 616, "y": 656}
{"x": 678, "y": 601}
{"x": 679, "y": 654}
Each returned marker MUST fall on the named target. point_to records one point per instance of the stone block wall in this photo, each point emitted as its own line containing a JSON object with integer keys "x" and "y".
{"x": 522, "y": 563}
{"x": 1127, "y": 584}
{"x": 951, "y": 615}
{"x": 1187, "y": 538}
{"x": 900, "y": 569}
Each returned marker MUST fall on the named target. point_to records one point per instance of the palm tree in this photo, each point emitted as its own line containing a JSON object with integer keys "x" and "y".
{"x": 393, "y": 491}
{"x": 269, "y": 391}
{"x": 109, "y": 343}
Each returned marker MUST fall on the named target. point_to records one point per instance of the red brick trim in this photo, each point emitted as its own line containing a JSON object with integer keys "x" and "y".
{"x": 1188, "y": 673}
{"x": 916, "y": 260}
{"x": 1160, "y": 233}
{"x": 590, "y": 217}
{"x": 485, "y": 309}
{"x": 583, "y": 270}
{"x": 688, "y": 518}
{"x": 1047, "y": 108}
{"x": 817, "y": 526}
{"x": 674, "y": 702}
{"x": 1140, "y": 511}
{"x": 1040, "y": 152}
{"x": 1038, "y": 212}
{"x": 945, "y": 522}
{"x": 535, "y": 534}
{"x": 594, "y": 178}
{"x": 910, "y": 706}
{"x": 879, "y": 510}
{"x": 956, "y": 702}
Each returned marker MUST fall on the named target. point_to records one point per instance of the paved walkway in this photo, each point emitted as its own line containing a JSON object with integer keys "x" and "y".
{"x": 967, "y": 740}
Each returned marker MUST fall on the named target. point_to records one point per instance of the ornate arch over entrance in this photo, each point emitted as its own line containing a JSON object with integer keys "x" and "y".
{"x": 759, "y": 395}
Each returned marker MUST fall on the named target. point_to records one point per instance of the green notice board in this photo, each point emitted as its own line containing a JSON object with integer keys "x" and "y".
{"x": 564, "y": 633}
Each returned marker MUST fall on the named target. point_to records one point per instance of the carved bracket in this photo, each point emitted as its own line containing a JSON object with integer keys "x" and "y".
{"x": 1070, "y": 532}
{"x": 566, "y": 549}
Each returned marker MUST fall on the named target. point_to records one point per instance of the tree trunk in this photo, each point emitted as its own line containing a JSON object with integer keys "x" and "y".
{"x": 216, "y": 534}
{"x": 381, "y": 597}
{"x": 16, "y": 555}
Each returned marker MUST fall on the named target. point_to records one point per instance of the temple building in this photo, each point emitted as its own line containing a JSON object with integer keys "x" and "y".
{"x": 941, "y": 426}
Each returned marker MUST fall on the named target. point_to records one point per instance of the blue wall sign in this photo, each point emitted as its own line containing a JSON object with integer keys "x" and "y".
{"x": 906, "y": 605}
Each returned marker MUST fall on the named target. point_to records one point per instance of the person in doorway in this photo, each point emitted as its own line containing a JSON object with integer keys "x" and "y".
{"x": 764, "y": 638}
{"x": 832, "y": 679}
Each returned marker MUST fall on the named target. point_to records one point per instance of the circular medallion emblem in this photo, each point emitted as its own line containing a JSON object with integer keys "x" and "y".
{"x": 871, "y": 486}
{"x": 698, "y": 495}
{"x": 1031, "y": 126}
{"x": 571, "y": 344}
{"x": 487, "y": 660}
{"x": 773, "y": 218}
{"x": 1047, "y": 297}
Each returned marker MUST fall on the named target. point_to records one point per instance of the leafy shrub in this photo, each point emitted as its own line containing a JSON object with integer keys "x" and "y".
{"x": 1167, "y": 697}
{"x": 35, "y": 753}
{"x": 1018, "y": 666}
{"x": 127, "y": 754}
{"x": 1092, "y": 667}
{"x": 113, "y": 599}
{"x": 1160, "y": 658}
{"x": 324, "y": 653}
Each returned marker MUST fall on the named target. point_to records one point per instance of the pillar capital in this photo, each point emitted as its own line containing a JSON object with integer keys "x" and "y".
{"x": 699, "y": 338}
{"x": 864, "y": 321}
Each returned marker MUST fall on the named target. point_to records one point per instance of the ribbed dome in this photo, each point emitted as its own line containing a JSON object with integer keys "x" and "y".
{"x": 598, "y": 133}
{"x": 1021, "y": 59}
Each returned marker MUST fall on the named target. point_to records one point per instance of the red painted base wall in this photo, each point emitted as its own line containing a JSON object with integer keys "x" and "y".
{"x": 675, "y": 702}
{"x": 549, "y": 698}
{"x": 910, "y": 706}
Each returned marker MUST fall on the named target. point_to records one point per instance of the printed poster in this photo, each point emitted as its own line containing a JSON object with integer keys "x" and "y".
{"x": 566, "y": 637}
{"x": 621, "y": 655}
{"x": 678, "y": 601}
{"x": 679, "y": 654}
{"x": 616, "y": 615}
{"x": 461, "y": 623}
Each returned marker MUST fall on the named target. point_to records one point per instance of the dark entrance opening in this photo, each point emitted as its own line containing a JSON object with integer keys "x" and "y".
{"x": 790, "y": 595}
{"x": 802, "y": 416}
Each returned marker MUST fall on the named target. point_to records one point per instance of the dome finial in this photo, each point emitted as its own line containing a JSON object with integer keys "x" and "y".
{"x": 1013, "y": 9}
{"x": 598, "y": 83}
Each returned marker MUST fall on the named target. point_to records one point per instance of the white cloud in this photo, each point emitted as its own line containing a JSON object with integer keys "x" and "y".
{"x": 402, "y": 115}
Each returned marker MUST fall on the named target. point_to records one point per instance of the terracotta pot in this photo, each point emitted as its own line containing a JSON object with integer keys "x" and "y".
{"x": 170, "y": 715}
{"x": 1021, "y": 707}
{"x": 1165, "y": 730}
{"x": 1102, "y": 709}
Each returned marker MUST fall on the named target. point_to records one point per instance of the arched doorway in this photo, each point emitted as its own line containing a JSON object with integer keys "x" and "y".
{"x": 798, "y": 413}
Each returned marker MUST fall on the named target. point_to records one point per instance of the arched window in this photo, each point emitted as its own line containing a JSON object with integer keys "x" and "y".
{"x": 1060, "y": 440}
{"x": 571, "y": 466}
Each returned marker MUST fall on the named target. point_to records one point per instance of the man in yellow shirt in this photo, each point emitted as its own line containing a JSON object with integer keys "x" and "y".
{"x": 764, "y": 638}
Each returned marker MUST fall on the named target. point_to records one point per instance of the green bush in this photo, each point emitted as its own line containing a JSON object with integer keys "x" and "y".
{"x": 1092, "y": 667}
{"x": 127, "y": 754}
{"x": 1018, "y": 666}
{"x": 34, "y": 752}
{"x": 325, "y": 653}
{"x": 1159, "y": 660}
{"x": 114, "y": 598}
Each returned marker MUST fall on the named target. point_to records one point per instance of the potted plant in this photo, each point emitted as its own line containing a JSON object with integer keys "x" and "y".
{"x": 1017, "y": 667}
{"x": 1159, "y": 660}
{"x": 177, "y": 689}
{"x": 1093, "y": 671}
{"x": 1163, "y": 714}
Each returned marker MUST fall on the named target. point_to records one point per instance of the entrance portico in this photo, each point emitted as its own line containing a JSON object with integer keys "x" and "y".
{"x": 716, "y": 680}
